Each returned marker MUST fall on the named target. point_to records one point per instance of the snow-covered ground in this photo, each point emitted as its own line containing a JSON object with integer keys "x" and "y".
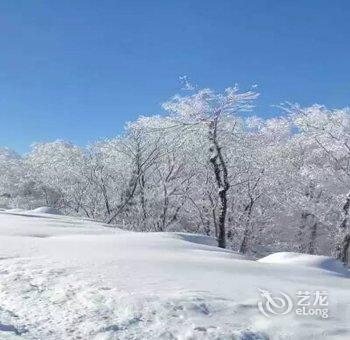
{"x": 68, "y": 278}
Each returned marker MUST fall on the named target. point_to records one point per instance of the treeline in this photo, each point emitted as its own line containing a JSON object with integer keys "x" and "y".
{"x": 258, "y": 185}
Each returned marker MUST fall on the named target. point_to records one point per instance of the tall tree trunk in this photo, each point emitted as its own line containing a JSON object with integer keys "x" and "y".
{"x": 307, "y": 233}
{"x": 221, "y": 178}
{"x": 163, "y": 216}
{"x": 343, "y": 246}
{"x": 143, "y": 201}
{"x": 301, "y": 232}
{"x": 105, "y": 197}
{"x": 129, "y": 196}
{"x": 222, "y": 219}
{"x": 313, "y": 235}
{"x": 344, "y": 249}
{"x": 244, "y": 244}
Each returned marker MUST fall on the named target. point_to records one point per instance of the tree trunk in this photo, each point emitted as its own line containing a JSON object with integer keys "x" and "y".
{"x": 130, "y": 195}
{"x": 221, "y": 178}
{"x": 222, "y": 219}
{"x": 301, "y": 232}
{"x": 244, "y": 244}
{"x": 143, "y": 202}
{"x": 343, "y": 247}
{"x": 307, "y": 233}
{"x": 313, "y": 235}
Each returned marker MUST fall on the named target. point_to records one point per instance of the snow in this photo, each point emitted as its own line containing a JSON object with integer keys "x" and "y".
{"x": 47, "y": 210}
{"x": 68, "y": 278}
{"x": 15, "y": 210}
{"x": 320, "y": 262}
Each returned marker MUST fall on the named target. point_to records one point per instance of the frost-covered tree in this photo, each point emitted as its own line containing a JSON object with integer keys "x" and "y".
{"x": 212, "y": 109}
{"x": 327, "y": 135}
{"x": 56, "y": 171}
{"x": 12, "y": 177}
{"x": 257, "y": 185}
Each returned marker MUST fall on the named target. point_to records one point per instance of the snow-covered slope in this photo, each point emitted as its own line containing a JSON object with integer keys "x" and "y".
{"x": 46, "y": 210}
{"x": 319, "y": 262}
{"x": 68, "y": 278}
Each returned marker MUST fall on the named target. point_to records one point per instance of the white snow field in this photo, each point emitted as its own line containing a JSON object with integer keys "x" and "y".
{"x": 68, "y": 278}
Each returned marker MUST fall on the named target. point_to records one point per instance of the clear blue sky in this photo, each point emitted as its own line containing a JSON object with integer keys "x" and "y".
{"x": 78, "y": 70}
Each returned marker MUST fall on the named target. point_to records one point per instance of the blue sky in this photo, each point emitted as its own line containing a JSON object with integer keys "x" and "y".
{"x": 78, "y": 70}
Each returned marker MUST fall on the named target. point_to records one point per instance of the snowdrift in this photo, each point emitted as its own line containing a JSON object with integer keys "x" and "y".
{"x": 68, "y": 278}
{"x": 46, "y": 210}
{"x": 15, "y": 210}
{"x": 40, "y": 210}
{"x": 319, "y": 262}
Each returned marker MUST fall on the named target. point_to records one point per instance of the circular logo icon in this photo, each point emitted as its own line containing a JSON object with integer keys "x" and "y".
{"x": 274, "y": 305}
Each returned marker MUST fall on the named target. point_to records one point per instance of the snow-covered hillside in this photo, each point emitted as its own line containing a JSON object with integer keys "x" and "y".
{"x": 68, "y": 278}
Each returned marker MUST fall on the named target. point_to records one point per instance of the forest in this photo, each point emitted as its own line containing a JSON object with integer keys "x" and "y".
{"x": 208, "y": 165}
